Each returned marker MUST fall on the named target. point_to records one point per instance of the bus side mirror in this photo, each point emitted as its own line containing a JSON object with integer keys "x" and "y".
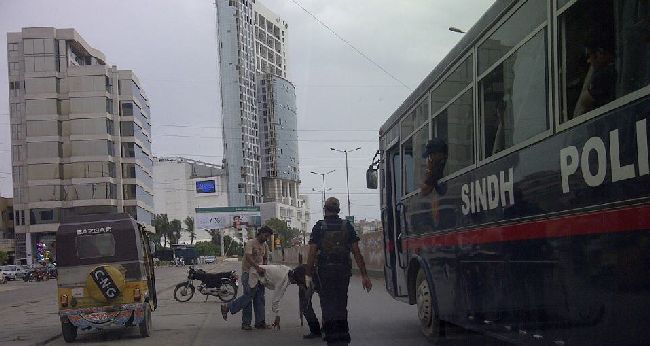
{"x": 371, "y": 178}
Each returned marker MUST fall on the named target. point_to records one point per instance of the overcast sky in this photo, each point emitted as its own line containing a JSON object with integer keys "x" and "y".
{"x": 342, "y": 98}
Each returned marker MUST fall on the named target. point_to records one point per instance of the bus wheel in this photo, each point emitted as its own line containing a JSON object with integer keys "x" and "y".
{"x": 69, "y": 331}
{"x": 429, "y": 322}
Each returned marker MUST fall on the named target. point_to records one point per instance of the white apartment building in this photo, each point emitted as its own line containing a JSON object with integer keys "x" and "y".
{"x": 181, "y": 185}
{"x": 251, "y": 39}
{"x": 80, "y": 135}
{"x": 235, "y": 31}
{"x": 260, "y": 137}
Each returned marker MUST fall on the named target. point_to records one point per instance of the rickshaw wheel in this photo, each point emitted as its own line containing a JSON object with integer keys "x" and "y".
{"x": 145, "y": 325}
{"x": 69, "y": 331}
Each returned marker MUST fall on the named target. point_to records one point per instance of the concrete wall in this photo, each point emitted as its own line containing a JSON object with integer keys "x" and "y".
{"x": 371, "y": 246}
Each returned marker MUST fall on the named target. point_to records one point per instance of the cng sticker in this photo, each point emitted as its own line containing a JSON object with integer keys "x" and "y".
{"x": 105, "y": 283}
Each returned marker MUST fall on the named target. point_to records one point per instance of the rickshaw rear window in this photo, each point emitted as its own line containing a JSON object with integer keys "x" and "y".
{"x": 94, "y": 246}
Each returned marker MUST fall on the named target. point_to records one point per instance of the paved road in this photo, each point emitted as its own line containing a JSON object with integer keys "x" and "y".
{"x": 375, "y": 319}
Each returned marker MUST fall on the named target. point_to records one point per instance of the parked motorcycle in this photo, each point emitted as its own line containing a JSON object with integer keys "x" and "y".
{"x": 222, "y": 285}
{"x": 36, "y": 275}
{"x": 3, "y": 279}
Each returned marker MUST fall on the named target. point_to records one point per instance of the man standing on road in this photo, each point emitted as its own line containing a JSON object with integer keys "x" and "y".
{"x": 255, "y": 255}
{"x": 332, "y": 239}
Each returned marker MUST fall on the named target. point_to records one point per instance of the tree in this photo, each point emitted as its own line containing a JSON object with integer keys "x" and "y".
{"x": 175, "y": 229}
{"x": 189, "y": 228}
{"x": 161, "y": 223}
{"x": 3, "y": 257}
{"x": 287, "y": 235}
{"x": 233, "y": 248}
{"x": 206, "y": 248}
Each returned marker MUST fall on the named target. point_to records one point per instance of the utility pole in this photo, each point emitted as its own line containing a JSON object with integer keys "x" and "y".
{"x": 347, "y": 173}
{"x": 323, "y": 187}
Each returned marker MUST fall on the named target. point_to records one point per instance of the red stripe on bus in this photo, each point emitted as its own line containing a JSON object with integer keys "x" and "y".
{"x": 618, "y": 220}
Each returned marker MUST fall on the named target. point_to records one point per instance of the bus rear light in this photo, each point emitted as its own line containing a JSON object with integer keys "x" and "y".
{"x": 137, "y": 295}
{"x": 64, "y": 300}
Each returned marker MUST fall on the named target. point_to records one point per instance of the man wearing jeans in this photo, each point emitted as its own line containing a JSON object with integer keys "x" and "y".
{"x": 255, "y": 254}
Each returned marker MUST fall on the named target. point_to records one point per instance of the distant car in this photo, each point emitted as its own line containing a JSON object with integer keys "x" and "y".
{"x": 209, "y": 259}
{"x": 11, "y": 272}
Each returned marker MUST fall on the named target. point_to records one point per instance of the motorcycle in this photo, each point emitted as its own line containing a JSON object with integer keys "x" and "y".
{"x": 36, "y": 274}
{"x": 3, "y": 279}
{"x": 222, "y": 285}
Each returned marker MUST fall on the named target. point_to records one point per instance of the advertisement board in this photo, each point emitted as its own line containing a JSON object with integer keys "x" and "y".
{"x": 227, "y": 217}
{"x": 205, "y": 186}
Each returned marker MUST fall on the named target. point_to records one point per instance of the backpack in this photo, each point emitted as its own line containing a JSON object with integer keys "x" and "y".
{"x": 334, "y": 245}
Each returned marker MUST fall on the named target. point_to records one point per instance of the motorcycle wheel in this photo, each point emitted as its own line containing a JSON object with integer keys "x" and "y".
{"x": 183, "y": 292}
{"x": 227, "y": 291}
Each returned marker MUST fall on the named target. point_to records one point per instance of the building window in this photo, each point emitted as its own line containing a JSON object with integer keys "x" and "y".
{"x": 127, "y": 109}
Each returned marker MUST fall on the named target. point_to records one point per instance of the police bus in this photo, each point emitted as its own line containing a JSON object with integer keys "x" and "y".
{"x": 514, "y": 181}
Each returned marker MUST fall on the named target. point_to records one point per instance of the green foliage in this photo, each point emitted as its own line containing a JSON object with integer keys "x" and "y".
{"x": 3, "y": 257}
{"x": 161, "y": 224}
{"x": 189, "y": 228}
{"x": 207, "y": 248}
{"x": 288, "y": 236}
{"x": 233, "y": 248}
{"x": 175, "y": 229}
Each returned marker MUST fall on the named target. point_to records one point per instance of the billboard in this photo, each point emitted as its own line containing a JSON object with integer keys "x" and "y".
{"x": 205, "y": 186}
{"x": 226, "y": 217}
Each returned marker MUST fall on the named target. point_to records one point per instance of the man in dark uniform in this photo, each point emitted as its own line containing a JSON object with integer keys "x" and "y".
{"x": 332, "y": 239}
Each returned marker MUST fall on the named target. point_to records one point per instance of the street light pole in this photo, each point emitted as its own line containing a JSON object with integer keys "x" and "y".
{"x": 323, "y": 184}
{"x": 347, "y": 173}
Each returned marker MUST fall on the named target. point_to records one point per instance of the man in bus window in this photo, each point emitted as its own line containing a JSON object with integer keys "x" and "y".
{"x": 436, "y": 153}
{"x": 600, "y": 82}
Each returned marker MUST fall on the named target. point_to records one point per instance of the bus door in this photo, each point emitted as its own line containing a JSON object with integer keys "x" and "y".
{"x": 395, "y": 257}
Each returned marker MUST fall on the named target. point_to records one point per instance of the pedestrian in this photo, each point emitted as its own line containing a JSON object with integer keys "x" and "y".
{"x": 332, "y": 240}
{"x": 305, "y": 295}
{"x": 278, "y": 278}
{"x": 255, "y": 255}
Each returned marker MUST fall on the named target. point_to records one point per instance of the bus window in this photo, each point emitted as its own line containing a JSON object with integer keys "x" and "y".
{"x": 408, "y": 166}
{"x": 528, "y": 17}
{"x": 420, "y": 140}
{"x": 452, "y": 85}
{"x": 457, "y": 122}
{"x": 407, "y": 125}
{"x": 422, "y": 113}
{"x": 514, "y": 97}
{"x": 604, "y": 52}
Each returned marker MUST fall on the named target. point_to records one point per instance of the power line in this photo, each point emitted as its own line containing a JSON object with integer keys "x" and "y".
{"x": 281, "y": 129}
{"x": 284, "y": 140}
{"x": 352, "y": 46}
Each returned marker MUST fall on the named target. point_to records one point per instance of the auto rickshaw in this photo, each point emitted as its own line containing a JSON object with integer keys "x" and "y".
{"x": 105, "y": 274}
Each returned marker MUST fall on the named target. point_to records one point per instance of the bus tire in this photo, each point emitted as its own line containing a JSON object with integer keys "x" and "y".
{"x": 430, "y": 323}
{"x": 69, "y": 331}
